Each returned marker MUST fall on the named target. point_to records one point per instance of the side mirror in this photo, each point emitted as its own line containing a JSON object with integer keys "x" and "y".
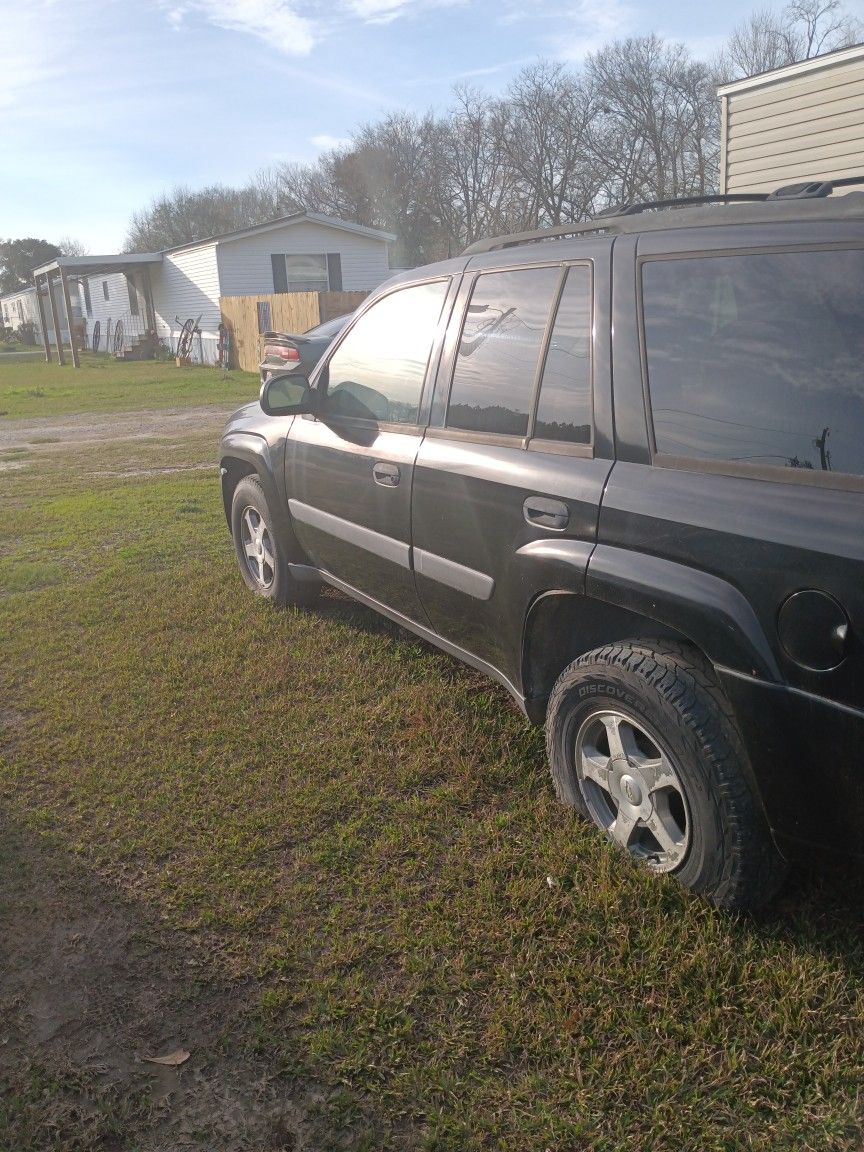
{"x": 288, "y": 394}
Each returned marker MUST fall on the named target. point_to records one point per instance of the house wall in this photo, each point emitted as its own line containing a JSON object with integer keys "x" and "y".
{"x": 245, "y": 268}
{"x": 805, "y": 126}
{"x": 115, "y": 308}
{"x": 29, "y": 307}
{"x": 186, "y": 285}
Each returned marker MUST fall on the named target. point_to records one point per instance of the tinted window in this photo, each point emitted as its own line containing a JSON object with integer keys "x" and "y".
{"x": 377, "y": 371}
{"x": 564, "y": 409}
{"x": 497, "y": 360}
{"x": 758, "y": 358}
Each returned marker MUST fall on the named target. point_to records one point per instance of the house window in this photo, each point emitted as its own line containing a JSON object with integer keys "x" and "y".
{"x": 133, "y": 297}
{"x": 105, "y": 289}
{"x": 20, "y": 311}
{"x": 320, "y": 272}
{"x": 265, "y": 324}
{"x": 88, "y": 303}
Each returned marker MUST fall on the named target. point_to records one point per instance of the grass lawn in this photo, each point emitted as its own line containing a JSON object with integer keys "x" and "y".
{"x": 357, "y": 838}
{"x": 103, "y": 384}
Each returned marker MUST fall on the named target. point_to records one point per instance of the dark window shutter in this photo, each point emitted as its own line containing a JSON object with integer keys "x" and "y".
{"x": 334, "y": 271}
{"x": 280, "y": 276}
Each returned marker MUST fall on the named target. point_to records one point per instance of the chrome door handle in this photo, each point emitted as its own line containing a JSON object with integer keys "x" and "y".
{"x": 387, "y": 475}
{"x": 545, "y": 513}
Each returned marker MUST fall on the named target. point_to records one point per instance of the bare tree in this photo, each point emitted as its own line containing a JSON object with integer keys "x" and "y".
{"x": 183, "y": 215}
{"x": 769, "y": 40}
{"x": 549, "y": 116}
{"x": 71, "y": 247}
{"x": 656, "y": 128}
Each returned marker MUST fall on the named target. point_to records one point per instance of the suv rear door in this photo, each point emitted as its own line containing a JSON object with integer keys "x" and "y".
{"x": 510, "y": 474}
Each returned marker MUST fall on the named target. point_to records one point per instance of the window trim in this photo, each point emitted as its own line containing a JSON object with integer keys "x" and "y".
{"x": 741, "y": 469}
{"x": 558, "y": 447}
{"x": 322, "y": 373}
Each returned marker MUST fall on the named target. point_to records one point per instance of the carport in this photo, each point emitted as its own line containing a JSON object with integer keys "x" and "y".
{"x": 63, "y": 268}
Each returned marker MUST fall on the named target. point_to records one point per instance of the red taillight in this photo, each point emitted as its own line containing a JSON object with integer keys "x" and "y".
{"x": 288, "y": 354}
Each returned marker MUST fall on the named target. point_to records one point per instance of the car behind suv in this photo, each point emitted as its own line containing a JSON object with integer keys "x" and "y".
{"x": 618, "y": 466}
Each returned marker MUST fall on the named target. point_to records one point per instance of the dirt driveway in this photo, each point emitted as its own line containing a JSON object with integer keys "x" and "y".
{"x": 33, "y": 432}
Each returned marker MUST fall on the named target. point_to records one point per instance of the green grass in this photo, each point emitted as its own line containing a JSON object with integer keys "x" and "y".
{"x": 103, "y": 384}
{"x": 366, "y": 831}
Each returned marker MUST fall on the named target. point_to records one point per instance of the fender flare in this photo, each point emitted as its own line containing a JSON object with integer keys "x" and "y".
{"x": 708, "y": 611}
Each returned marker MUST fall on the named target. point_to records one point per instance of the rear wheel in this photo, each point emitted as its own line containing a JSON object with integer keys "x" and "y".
{"x": 262, "y": 561}
{"x": 642, "y": 742}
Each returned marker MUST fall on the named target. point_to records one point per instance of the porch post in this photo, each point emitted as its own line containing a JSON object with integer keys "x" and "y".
{"x": 43, "y": 321}
{"x": 58, "y": 335}
{"x": 148, "y": 300}
{"x": 76, "y": 363}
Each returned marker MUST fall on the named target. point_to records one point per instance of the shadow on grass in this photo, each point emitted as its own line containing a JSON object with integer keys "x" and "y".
{"x": 90, "y": 986}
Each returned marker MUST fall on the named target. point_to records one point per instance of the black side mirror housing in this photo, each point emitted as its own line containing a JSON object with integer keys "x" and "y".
{"x": 288, "y": 394}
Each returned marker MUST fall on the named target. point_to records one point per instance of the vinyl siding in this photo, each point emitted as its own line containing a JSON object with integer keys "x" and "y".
{"x": 186, "y": 284}
{"x": 804, "y": 127}
{"x": 115, "y": 308}
{"x": 245, "y": 268}
{"x": 29, "y": 306}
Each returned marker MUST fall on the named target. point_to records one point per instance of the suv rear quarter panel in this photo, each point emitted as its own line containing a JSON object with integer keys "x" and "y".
{"x": 765, "y": 538}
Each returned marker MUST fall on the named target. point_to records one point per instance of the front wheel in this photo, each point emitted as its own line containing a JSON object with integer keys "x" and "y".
{"x": 642, "y": 741}
{"x": 261, "y": 558}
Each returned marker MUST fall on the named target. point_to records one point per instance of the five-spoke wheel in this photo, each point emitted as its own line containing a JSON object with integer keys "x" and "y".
{"x": 258, "y": 547}
{"x": 261, "y": 552}
{"x": 632, "y": 789}
{"x": 642, "y": 741}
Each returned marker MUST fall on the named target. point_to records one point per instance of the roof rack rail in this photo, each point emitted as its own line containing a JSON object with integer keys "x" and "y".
{"x": 617, "y": 219}
{"x": 605, "y": 221}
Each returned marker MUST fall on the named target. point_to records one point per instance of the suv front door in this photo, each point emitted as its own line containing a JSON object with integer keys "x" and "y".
{"x": 349, "y": 469}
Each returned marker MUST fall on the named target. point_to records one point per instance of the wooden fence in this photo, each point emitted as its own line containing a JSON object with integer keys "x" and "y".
{"x": 284, "y": 312}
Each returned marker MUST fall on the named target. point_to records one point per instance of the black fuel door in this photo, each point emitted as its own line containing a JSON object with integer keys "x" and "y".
{"x": 814, "y": 630}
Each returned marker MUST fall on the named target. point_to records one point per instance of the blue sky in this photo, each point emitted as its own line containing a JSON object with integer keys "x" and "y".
{"x": 106, "y": 103}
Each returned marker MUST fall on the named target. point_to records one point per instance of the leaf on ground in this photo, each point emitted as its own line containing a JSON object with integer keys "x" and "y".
{"x": 171, "y": 1060}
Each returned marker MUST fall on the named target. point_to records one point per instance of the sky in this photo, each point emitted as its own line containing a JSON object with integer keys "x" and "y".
{"x": 104, "y": 104}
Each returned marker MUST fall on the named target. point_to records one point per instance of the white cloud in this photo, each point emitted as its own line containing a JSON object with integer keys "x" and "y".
{"x": 386, "y": 11}
{"x": 593, "y": 23}
{"x": 276, "y": 22}
{"x": 325, "y": 143}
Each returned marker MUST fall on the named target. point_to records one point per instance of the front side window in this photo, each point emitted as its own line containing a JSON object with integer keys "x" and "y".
{"x": 88, "y": 303}
{"x": 377, "y": 372}
{"x": 105, "y": 289}
{"x": 756, "y": 359}
{"x": 493, "y": 380}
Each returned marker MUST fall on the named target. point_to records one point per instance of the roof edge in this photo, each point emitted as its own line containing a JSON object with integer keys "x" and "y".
{"x": 789, "y": 71}
{"x": 281, "y": 222}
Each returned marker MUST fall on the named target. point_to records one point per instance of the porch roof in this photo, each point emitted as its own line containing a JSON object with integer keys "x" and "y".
{"x": 93, "y": 265}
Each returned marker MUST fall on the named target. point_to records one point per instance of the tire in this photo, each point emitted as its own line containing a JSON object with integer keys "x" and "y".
{"x": 260, "y": 554}
{"x": 642, "y": 741}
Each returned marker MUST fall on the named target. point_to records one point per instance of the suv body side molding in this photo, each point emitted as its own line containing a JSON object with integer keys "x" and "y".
{"x": 377, "y": 543}
{"x": 710, "y": 612}
{"x": 467, "y": 580}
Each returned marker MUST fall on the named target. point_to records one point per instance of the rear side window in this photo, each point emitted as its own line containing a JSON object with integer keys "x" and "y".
{"x": 377, "y": 372}
{"x": 757, "y": 359}
{"x": 493, "y": 380}
{"x": 564, "y": 409}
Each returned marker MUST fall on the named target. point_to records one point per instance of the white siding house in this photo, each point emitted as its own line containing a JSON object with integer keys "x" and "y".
{"x": 803, "y": 122}
{"x": 19, "y": 308}
{"x": 259, "y": 261}
{"x": 303, "y": 252}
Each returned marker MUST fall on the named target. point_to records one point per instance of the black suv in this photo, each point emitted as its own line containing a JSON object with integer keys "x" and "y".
{"x": 619, "y": 467}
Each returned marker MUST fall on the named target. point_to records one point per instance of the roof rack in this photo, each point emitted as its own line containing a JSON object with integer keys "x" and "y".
{"x": 617, "y": 219}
